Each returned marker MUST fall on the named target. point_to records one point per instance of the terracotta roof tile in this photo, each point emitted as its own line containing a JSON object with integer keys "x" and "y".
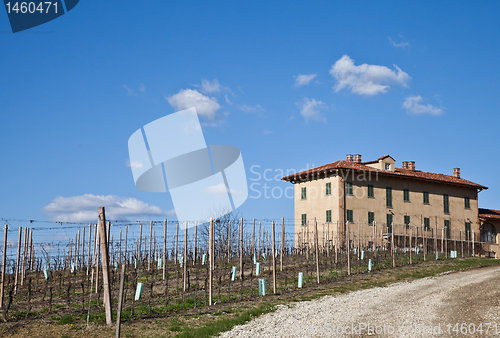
{"x": 489, "y": 213}
{"x": 416, "y": 174}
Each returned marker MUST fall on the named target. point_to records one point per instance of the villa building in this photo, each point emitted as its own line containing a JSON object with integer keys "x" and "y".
{"x": 361, "y": 195}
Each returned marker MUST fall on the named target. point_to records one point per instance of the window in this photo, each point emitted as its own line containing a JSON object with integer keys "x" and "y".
{"x": 426, "y": 197}
{"x": 446, "y": 204}
{"x": 388, "y": 197}
{"x": 467, "y": 202}
{"x": 427, "y": 223}
{"x": 370, "y": 192}
{"x": 387, "y": 166}
{"x": 350, "y": 216}
{"x": 447, "y": 228}
{"x": 303, "y": 194}
{"x": 304, "y": 220}
{"x": 328, "y": 189}
{"x": 407, "y": 221}
{"x": 406, "y": 195}
{"x": 371, "y": 217}
{"x": 389, "y": 223}
{"x": 348, "y": 188}
{"x": 488, "y": 233}
{"x": 467, "y": 231}
{"x": 328, "y": 216}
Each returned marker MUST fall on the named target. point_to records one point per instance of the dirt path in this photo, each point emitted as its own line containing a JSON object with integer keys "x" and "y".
{"x": 423, "y": 308}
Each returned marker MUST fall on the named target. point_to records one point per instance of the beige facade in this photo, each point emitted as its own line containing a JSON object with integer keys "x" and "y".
{"x": 358, "y": 193}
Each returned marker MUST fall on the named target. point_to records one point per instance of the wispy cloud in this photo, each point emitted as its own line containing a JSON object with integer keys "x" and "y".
{"x": 188, "y": 98}
{"x": 402, "y": 44}
{"x": 366, "y": 79}
{"x": 142, "y": 88}
{"x": 302, "y": 80}
{"x": 311, "y": 109}
{"x": 208, "y": 87}
{"x": 220, "y": 190}
{"x": 413, "y": 105}
{"x": 267, "y": 132}
{"x": 83, "y": 208}
{"x": 247, "y": 108}
{"x": 134, "y": 164}
{"x": 129, "y": 90}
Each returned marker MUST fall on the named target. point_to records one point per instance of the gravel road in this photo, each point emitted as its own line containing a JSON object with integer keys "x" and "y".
{"x": 423, "y": 308}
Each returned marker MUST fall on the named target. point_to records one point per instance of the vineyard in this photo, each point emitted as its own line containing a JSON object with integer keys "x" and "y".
{"x": 165, "y": 267}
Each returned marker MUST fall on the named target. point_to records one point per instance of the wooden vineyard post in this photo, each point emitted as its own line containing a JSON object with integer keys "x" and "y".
{"x": 461, "y": 241}
{"x": 228, "y": 241}
{"x": 348, "y": 247}
{"x": 150, "y": 239}
{"x": 252, "y": 251}
{"x": 164, "y": 262}
{"x": 375, "y": 240}
{"x": 274, "y": 258}
{"x": 410, "y": 242}
{"x": 139, "y": 244}
{"x": 19, "y": 256}
{"x": 88, "y": 255}
{"x": 435, "y": 241}
{"x": 393, "y": 251}
{"x": 125, "y": 251}
{"x": 316, "y": 244}
{"x": 3, "y": 264}
{"x": 195, "y": 242}
{"x": 282, "y": 242}
{"x": 177, "y": 243}
{"x": 105, "y": 267}
{"x": 241, "y": 249}
{"x": 184, "y": 258}
{"x": 120, "y": 301}
{"x": 424, "y": 243}
{"x": 473, "y": 247}
{"x": 211, "y": 258}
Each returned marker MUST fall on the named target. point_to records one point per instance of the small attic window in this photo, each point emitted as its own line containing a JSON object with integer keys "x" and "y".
{"x": 387, "y": 166}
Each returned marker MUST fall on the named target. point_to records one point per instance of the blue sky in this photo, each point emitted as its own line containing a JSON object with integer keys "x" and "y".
{"x": 296, "y": 84}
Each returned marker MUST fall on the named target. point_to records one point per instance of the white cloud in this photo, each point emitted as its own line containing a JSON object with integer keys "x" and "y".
{"x": 366, "y": 79}
{"x": 142, "y": 89}
{"x": 227, "y": 99}
{"x": 247, "y": 108}
{"x": 188, "y": 98}
{"x": 310, "y": 109}
{"x": 267, "y": 132}
{"x": 402, "y": 44}
{"x": 84, "y": 208}
{"x": 220, "y": 190}
{"x": 129, "y": 91}
{"x": 302, "y": 80}
{"x": 413, "y": 105}
{"x": 208, "y": 87}
{"x": 134, "y": 164}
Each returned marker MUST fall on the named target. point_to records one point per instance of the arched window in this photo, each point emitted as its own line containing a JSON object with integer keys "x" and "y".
{"x": 488, "y": 233}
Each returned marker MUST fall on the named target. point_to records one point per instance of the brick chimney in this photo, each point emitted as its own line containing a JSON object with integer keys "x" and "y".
{"x": 404, "y": 165}
{"x": 411, "y": 165}
{"x": 349, "y": 158}
{"x": 456, "y": 172}
{"x": 357, "y": 158}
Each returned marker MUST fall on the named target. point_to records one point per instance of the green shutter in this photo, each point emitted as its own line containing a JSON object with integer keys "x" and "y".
{"x": 468, "y": 236}
{"x": 328, "y": 188}
{"x": 447, "y": 228}
{"x": 389, "y": 223}
{"x": 350, "y": 216}
{"x": 370, "y": 191}
{"x": 467, "y": 202}
{"x": 304, "y": 220}
{"x": 388, "y": 197}
{"x": 328, "y": 216}
{"x": 349, "y": 189}
{"x": 427, "y": 224}
{"x": 406, "y": 195}
{"x": 426, "y": 197}
{"x": 303, "y": 194}
{"x": 446, "y": 204}
{"x": 371, "y": 217}
{"x": 407, "y": 221}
